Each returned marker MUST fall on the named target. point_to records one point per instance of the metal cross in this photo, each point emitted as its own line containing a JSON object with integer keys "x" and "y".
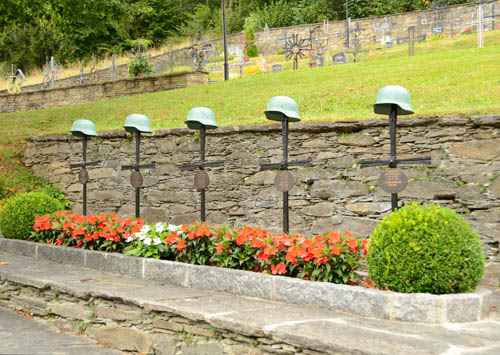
{"x": 394, "y": 180}
{"x": 139, "y": 51}
{"x": 113, "y": 69}
{"x": 492, "y": 16}
{"x": 201, "y": 179}
{"x": 83, "y": 176}
{"x": 284, "y": 181}
{"x": 357, "y": 48}
{"x": 452, "y": 22}
{"x": 198, "y": 52}
{"x": 480, "y": 24}
{"x": 293, "y": 49}
{"x": 51, "y": 72}
{"x": 136, "y": 178}
{"x": 171, "y": 50}
{"x": 80, "y": 79}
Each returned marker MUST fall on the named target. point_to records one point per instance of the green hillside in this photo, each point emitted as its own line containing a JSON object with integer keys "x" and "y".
{"x": 446, "y": 76}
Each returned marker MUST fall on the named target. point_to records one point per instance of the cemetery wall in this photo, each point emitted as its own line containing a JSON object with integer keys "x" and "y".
{"x": 99, "y": 91}
{"x": 332, "y": 194}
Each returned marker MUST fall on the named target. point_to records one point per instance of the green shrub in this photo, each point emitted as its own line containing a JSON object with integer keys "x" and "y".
{"x": 139, "y": 67}
{"x": 18, "y": 215}
{"x": 250, "y": 47}
{"x": 57, "y": 194}
{"x": 425, "y": 249}
{"x": 280, "y": 52}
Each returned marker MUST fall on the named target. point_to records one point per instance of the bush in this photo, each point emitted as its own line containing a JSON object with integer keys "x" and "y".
{"x": 425, "y": 249}
{"x": 139, "y": 67}
{"x": 250, "y": 47}
{"x": 331, "y": 257}
{"x": 105, "y": 231}
{"x": 18, "y": 215}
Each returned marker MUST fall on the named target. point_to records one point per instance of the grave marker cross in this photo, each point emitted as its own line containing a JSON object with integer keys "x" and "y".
{"x": 293, "y": 49}
{"x": 137, "y": 124}
{"x": 284, "y": 109}
{"x": 201, "y": 118}
{"x": 139, "y": 52}
{"x": 84, "y": 129}
{"x": 51, "y": 72}
{"x": 394, "y": 100}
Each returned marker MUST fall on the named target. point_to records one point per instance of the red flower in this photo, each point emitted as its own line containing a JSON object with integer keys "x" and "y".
{"x": 335, "y": 250}
{"x": 280, "y": 269}
{"x": 366, "y": 245}
{"x": 352, "y": 244}
{"x": 220, "y": 248}
{"x": 60, "y": 241}
{"x": 79, "y": 244}
{"x": 181, "y": 245}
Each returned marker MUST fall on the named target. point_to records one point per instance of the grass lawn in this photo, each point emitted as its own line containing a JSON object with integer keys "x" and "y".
{"x": 445, "y": 76}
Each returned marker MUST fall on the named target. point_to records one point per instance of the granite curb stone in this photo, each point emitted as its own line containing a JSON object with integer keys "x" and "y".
{"x": 422, "y": 308}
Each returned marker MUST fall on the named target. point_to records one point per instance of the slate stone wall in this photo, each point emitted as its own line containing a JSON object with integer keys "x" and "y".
{"x": 333, "y": 194}
{"x": 77, "y": 94}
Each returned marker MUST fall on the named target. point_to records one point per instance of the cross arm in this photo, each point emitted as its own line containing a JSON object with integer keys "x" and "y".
{"x": 408, "y": 161}
{"x": 84, "y": 164}
{"x": 281, "y": 165}
{"x": 210, "y": 164}
{"x": 138, "y": 166}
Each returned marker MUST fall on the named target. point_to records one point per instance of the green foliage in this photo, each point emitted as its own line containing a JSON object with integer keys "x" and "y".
{"x": 56, "y": 193}
{"x": 425, "y": 249}
{"x": 139, "y": 67}
{"x": 250, "y": 47}
{"x": 18, "y": 215}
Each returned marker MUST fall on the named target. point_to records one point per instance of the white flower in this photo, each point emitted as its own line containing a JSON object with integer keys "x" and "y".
{"x": 174, "y": 228}
{"x": 139, "y": 235}
{"x": 129, "y": 239}
{"x": 145, "y": 229}
{"x": 147, "y": 241}
{"x": 159, "y": 227}
{"x": 157, "y": 241}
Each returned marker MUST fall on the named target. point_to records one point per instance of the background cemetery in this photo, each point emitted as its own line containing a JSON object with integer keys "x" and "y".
{"x": 364, "y": 38}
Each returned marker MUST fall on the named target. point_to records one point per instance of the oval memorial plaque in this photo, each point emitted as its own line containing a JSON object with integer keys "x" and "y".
{"x": 201, "y": 180}
{"x": 83, "y": 176}
{"x": 136, "y": 179}
{"x": 393, "y": 181}
{"x": 284, "y": 181}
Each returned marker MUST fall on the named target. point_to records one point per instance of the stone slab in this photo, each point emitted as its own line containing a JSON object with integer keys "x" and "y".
{"x": 282, "y": 326}
{"x": 354, "y": 300}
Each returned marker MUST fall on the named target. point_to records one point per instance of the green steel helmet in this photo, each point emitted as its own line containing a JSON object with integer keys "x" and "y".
{"x": 83, "y": 128}
{"x": 393, "y": 95}
{"x": 280, "y": 106}
{"x": 201, "y": 116}
{"x": 137, "y": 122}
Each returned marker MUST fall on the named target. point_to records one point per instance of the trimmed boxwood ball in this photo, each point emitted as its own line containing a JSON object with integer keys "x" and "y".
{"x": 18, "y": 215}
{"x": 428, "y": 249}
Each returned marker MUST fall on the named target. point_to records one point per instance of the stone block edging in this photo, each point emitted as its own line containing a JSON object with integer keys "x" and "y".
{"x": 420, "y": 308}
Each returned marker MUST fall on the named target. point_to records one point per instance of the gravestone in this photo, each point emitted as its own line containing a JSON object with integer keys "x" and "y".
{"x": 137, "y": 124}
{"x": 284, "y": 110}
{"x": 15, "y": 80}
{"x": 393, "y": 100}
{"x": 201, "y": 118}
{"x": 277, "y": 68}
{"x": 339, "y": 58}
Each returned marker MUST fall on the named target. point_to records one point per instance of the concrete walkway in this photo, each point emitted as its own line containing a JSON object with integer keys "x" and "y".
{"x": 20, "y": 335}
{"x": 302, "y": 329}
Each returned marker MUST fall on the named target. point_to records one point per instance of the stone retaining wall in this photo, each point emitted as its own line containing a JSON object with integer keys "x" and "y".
{"x": 101, "y": 91}
{"x": 416, "y": 307}
{"x": 333, "y": 194}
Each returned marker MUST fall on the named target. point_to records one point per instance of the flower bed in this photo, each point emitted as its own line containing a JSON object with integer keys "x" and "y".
{"x": 331, "y": 257}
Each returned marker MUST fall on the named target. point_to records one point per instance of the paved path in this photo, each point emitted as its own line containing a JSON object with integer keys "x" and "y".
{"x": 20, "y": 335}
{"x": 324, "y": 330}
